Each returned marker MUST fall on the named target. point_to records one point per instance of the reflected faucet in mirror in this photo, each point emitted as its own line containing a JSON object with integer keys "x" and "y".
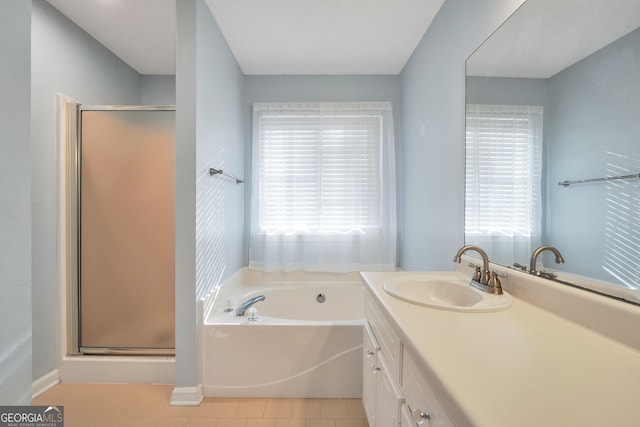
{"x": 538, "y": 251}
{"x": 484, "y": 279}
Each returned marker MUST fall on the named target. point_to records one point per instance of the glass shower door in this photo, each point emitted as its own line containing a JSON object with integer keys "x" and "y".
{"x": 126, "y": 231}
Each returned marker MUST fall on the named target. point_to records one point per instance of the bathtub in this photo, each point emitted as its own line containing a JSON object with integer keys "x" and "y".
{"x": 297, "y": 347}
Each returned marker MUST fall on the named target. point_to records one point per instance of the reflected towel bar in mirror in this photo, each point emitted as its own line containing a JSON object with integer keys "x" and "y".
{"x": 213, "y": 171}
{"x": 606, "y": 178}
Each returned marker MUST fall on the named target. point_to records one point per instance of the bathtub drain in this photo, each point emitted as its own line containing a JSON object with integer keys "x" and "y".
{"x": 321, "y": 298}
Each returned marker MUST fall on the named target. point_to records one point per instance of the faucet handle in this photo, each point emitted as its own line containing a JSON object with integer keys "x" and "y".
{"x": 520, "y": 266}
{"x": 495, "y": 287}
{"x": 477, "y": 275}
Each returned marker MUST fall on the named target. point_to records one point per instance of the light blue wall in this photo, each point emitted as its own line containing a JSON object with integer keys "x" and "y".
{"x": 158, "y": 89}
{"x": 209, "y": 210}
{"x": 595, "y": 111}
{"x": 433, "y": 104}
{"x": 15, "y": 214}
{"x": 220, "y": 144}
{"x": 312, "y": 89}
{"x": 507, "y": 91}
{"x": 64, "y": 60}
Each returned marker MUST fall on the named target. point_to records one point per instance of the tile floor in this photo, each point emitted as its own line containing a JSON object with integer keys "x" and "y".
{"x": 142, "y": 405}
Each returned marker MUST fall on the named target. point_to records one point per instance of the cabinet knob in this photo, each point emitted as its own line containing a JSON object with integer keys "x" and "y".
{"x": 375, "y": 369}
{"x": 370, "y": 353}
{"x": 418, "y": 416}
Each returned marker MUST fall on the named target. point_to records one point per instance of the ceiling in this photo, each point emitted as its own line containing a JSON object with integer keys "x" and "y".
{"x": 544, "y": 37}
{"x": 141, "y": 32}
{"x": 280, "y": 37}
{"x": 267, "y": 37}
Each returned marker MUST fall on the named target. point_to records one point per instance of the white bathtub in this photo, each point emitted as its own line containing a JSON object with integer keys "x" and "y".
{"x": 298, "y": 347}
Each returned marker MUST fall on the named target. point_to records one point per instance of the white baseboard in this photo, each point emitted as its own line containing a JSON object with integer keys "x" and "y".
{"x": 187, "y": 396}
{"x": 44, "y": 383}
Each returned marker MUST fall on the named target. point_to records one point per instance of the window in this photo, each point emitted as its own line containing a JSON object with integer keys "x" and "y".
{"x": 323, "y": 193}
{"x": 503, "y": 174}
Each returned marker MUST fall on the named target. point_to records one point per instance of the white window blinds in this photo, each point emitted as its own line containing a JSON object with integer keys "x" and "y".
{"x": 323, "y": 177}
{"x": 503, "y": 175}
{"x": 319, "y": 172}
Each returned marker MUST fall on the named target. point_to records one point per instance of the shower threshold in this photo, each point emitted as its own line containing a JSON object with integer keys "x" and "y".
{"x": 126, "y": 351}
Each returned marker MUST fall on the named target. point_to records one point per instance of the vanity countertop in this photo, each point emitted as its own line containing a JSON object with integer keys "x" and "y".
{"x": 523, "y": 366}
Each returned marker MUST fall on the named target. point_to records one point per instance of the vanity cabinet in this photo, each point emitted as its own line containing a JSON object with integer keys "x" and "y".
{"x": 395, "y": 392}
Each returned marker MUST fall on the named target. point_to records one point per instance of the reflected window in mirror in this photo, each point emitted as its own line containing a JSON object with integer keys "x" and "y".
{"x": 503, "y": 179}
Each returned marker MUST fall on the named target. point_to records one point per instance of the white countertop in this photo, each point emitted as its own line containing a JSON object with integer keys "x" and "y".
{"x": 520, "y": 367}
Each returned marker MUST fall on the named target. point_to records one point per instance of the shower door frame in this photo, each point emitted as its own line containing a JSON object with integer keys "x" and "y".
{"x": 74, "y": 221}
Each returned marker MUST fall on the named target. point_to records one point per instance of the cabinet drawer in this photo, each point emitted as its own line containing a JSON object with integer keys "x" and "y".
{"x": 389, "y": 341}
{"x": 420, "y": 398}
{"x": 370, "y": 344}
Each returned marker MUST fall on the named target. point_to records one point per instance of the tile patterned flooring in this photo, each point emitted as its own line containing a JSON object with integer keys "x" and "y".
{"x": 143, "y": 405}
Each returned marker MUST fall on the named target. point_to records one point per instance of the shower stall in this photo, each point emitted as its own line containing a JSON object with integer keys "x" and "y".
{"x": 124, "y": 215}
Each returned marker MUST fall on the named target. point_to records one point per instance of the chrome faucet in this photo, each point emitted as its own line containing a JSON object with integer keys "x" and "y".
{"x": 248, "y": 303}
{"x": 484, "y": 279}
{"x": 534, "y": 258}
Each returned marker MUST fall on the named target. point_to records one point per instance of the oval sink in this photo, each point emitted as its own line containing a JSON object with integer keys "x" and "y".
{"x": 445, "y": 291}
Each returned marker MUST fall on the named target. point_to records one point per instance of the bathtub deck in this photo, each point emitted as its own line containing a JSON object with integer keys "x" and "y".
{"x": 142, "y": 405}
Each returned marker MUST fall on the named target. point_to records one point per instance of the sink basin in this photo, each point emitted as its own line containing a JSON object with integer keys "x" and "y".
{"x": 445, "y": 291}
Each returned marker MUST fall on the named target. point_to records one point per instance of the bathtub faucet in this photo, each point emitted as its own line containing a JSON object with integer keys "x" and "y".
{"x": 248, "y": 303}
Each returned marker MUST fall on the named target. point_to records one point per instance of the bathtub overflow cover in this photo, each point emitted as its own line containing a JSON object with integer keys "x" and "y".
{"x": 321, "y": 298}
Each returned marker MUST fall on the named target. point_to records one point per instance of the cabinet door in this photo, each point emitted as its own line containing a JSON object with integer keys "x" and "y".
{"x": 389, "y": 398}
{"x": 369, "y": 375}
{"x": 421, "y": 406}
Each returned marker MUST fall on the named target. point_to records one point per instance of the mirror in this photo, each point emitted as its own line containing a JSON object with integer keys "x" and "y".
{"x": 580, "y": 61}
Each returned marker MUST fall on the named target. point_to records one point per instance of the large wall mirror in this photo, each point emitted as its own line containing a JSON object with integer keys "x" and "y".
{"x": 567, "y": 74}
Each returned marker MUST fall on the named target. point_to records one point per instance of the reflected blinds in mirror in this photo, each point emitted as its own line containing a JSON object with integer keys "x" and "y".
{"x": 503, "y": 179}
